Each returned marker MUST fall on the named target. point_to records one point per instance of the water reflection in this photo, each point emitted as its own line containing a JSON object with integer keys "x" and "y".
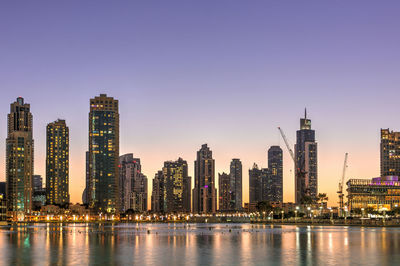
{"x": 197, "y": 244}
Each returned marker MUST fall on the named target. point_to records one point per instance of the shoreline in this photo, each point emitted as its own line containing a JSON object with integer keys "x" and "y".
{"x": 299, "y": 223}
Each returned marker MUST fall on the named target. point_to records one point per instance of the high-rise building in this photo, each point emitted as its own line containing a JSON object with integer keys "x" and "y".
{"x": 103, "y": 154}
{"x": 390, "y": 153}
{"x": 236, "y": 184}
{"x": 306, "y": 183}
{"x": 85, "y": 196}
{"x": 204, "y": 192}
{"x": 275, "y": 167}
{"x": 157, "y": 194}
{"x": 177, "y": 186}
{"x": 57, "y": 164}
{"x": 37, "y": 182}
{"x": 255, "y": 189}
{"x": 132, "y": 184}
{"x": 224, "y": 186}
{"x": 19, "y": 160}
{"x": 258, "y": 184}
{"x": 139, "y": 194}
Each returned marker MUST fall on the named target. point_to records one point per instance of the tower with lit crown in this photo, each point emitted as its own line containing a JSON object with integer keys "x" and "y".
{"x": 19, "y": 160}
{"x": 306, "y": 184}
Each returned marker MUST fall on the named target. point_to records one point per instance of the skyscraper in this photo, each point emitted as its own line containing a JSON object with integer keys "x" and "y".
{"x": 275, "y": 167}
{"x": 157, "y": 194}
{"x": 204, "y": 192}
{"x": 85, "y": 196}
{"x": 306, "y": 183}
{"x": 103, "y": 154}
{"x": 224, "y": 186}
{"x": 236, "y": 184}
{"x": 19, "y": 160}
{"x": 132, "y": 184}
{"x": 258, "y": 184}
{"x": 390, "y": 153}
{"x": 177, "y": 186}
{"x": 254, "y": 184}
{"x": 57, "y": 164}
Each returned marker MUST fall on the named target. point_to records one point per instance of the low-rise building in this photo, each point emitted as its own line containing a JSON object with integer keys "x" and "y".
{"x": 380, "y": 193}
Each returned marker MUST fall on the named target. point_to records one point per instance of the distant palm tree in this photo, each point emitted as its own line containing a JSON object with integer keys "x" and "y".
{"x": 322, "y": 198}
{"x": 307, "y": 200}
{"x": 264, "y": 206}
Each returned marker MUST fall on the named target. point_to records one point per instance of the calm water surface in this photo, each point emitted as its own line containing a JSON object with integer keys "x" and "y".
{"x": 198, "y": 244}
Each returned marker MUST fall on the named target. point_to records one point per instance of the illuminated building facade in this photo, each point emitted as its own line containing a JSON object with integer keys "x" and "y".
{"x": 236, "y": 185}
{"x": 103, "y": 188}
{"x": 177, "y": 185}
{"x": 381, "y": 193}
{"x": 19, "y": 160}
{"x": 204, "y": 192}
{"x": 390, "y": 153}
{"x": 224, "y": 186}
{"x": 57, "y": 164}
{"x": 275, "y": 178}
{"x": 306, "y": 162}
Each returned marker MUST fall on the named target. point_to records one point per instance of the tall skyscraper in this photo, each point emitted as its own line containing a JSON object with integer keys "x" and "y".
{"x": 306, "y": 184}
{"x": 177, "y": 186}
{"x": 85, "y": 196}
{"x": 57, "y": 164}
{"x": 132, "y": 184}
{"x": 103, "y": 154}
{"x": 19, "y": 160}
{"x": 275, "y": 167}
{"x": 390, "y": 153}
{"x": 157, "y": 194}
{"x": 224, "y": 186}
{"x": 204, "y": 192}
{"x": 139, "y": 194}
{"x": 236, "y": 185}
{"x": 258, "y": 184}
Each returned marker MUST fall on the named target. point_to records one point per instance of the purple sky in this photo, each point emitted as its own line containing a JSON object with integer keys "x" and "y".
{"x": 226, "y": 73}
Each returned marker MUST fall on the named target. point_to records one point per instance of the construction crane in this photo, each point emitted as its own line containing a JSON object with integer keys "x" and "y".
{"x": 341, "y": 184}
{"x": 287, "y": 145}
{"x": 299, "y": 174}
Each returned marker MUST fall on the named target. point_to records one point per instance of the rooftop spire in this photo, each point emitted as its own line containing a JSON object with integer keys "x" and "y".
{"x": 305, "y": 113}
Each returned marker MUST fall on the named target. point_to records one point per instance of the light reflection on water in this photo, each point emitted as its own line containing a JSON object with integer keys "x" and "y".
{"x": 198, "y": 244}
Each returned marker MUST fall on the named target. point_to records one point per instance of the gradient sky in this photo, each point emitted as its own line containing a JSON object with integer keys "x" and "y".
{"x": 226, "y": 73}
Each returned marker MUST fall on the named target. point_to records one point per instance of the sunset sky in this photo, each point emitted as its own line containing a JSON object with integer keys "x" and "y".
{"x": 226, "y": 73}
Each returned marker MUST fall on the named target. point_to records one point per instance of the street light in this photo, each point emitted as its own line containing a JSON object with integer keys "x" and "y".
{"x": 282, "y": 214}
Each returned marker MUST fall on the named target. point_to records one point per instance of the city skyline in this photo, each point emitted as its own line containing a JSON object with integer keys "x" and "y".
{"x": 149, "y": 191}
{"x": 339, "y": 62}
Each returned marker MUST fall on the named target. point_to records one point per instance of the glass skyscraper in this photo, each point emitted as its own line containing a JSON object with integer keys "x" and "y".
{"x": 103, "y": 189}
{"x": 306, "y": 184}
{"x": 275, "y": 167}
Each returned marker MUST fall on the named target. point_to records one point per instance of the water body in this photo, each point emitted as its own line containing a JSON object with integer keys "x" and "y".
{"x": 198, "y": 244}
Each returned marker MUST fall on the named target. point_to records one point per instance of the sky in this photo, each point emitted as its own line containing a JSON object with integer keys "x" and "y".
{"x": 225, "y": 73}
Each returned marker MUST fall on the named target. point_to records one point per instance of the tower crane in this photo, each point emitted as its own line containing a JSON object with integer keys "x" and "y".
{"x": 287, "y": 145}
{"x": 341, "y": 184}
